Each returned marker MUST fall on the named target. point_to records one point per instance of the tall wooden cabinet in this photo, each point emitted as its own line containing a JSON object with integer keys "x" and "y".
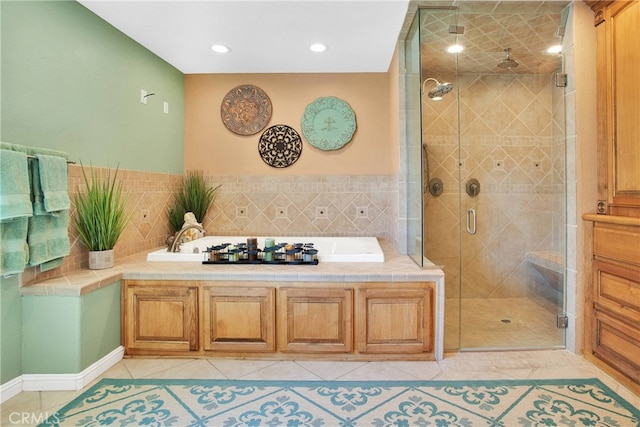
{"x": 612, "y": 314}
{"x": 618, "y": 97}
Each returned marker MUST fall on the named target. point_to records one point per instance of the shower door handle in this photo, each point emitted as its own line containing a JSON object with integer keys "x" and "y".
{"x": 471, "y": 221}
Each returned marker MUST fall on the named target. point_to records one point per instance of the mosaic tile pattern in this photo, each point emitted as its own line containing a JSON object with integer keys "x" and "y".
{"x": 348, "y": 403}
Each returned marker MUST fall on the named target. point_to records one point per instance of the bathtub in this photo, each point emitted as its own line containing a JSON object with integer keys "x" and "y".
{"x": 330, "y": 249}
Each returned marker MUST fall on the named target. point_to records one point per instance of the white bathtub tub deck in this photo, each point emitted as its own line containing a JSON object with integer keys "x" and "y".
{"x": 330, "y": 249}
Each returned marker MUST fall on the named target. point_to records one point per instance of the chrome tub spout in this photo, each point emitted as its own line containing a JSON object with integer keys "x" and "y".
{"x": 175, "y": 246}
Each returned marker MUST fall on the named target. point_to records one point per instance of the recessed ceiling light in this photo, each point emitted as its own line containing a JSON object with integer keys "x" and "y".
{"x": 318, "y": 47}
{"x": 455, "y": 48}
{"x": 555, "y": 49}
{"x": 218, "y": 48}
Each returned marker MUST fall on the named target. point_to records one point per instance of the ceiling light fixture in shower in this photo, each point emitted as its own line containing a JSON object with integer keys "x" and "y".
{"x": 508, "y": 62}
{"x": 555, "y": 49}
{"x": 437, "y": 92}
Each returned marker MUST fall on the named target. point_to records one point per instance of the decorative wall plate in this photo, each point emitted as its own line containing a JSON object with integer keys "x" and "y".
{"x": 245, "y": 110}
{"x": 280, "y": 146}
{"x": 328, "y": 123}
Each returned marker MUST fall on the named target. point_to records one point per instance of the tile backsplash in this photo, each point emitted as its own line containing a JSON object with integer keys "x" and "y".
{"x": 256, "y": 205}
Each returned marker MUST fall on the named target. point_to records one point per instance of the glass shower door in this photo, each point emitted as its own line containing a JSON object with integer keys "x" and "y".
{"x": 497, "y": 144}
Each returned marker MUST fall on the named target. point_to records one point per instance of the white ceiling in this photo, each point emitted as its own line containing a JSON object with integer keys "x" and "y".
{"x": 265, "y": 36}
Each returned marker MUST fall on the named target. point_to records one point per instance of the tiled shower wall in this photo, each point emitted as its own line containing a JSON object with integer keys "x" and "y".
{"x": 257, "y": 205}
{"x": 512, "y": 141}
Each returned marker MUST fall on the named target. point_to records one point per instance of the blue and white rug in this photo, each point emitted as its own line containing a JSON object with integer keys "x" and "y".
{"x": 227, "y": 403}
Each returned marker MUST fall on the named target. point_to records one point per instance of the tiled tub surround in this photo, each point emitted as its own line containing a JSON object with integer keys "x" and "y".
{"x": 395, "y": 270}
{"x": 254, "y": 205}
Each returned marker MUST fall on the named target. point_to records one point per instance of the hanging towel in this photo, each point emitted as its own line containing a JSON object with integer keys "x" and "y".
{"x": 48, "y": 235}
{"x": 15, "y": 200}
{"x": 53, "y": 182}
{"x": 15, "y": 208}
{"x": 14, "y": 252}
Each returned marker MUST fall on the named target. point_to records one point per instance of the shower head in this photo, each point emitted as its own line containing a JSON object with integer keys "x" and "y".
{"x": 508, "y": 62}
{"x": 437, "y": 92}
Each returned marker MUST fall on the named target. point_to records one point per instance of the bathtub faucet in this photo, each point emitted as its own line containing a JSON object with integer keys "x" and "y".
{"x": 175, "y": 246}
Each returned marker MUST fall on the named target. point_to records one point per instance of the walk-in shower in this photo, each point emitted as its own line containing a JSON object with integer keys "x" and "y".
{"x": 496, "y": 145}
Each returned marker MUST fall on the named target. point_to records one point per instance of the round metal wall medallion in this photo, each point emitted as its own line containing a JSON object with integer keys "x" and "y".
{"x": 280, "y": 146}
{"x": 328, "y": 123}
{"x": 245, "y": 110}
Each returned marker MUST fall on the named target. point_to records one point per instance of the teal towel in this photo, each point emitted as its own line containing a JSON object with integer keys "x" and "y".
{"x": 53, "y": 182}
{"x": 14, "y": 252}
{"x": 15, "y": 200}
{"x": 48, "y": 235}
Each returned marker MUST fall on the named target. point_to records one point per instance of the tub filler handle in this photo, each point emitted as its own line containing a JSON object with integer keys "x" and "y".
{"x": 471, "y": 221}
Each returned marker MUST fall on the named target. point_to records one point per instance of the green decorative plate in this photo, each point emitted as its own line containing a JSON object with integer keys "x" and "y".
{"x": 328, "y": 123}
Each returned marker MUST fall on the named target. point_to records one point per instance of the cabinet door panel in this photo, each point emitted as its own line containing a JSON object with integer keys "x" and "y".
{"x": 161, "y": 318}
{"x": 238, "y": 319}
{"x": 315, "y": 320}
{"x": 617, "y": 343}
{"x": 395, "y": 320}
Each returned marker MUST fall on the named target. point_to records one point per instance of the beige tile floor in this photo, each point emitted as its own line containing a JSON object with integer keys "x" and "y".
{"x": 503, "y": 323}
{"x": 534, "y": 364}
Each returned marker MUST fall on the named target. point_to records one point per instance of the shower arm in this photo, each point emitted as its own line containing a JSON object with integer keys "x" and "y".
{"x": 426, "y": 80}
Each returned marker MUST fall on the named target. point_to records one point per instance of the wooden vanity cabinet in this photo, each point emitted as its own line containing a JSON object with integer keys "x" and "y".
{"x": 351, "y": 321}
{"x": 160, "y": 317}
{"x": 613, "y": 309}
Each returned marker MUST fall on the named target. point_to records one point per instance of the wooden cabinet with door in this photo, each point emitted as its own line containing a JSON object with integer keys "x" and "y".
{"x": 159, "y": 317}
{"x": 351, "y": 321}
{"x": 618, "y": 102}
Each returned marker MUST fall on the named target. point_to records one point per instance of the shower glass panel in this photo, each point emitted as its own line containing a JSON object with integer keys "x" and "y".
{"x": 412, "y": 148}
{"x": 496, "y": 142}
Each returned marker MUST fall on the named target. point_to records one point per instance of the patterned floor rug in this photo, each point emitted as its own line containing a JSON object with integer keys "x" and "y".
{"x": 227, "y": 403}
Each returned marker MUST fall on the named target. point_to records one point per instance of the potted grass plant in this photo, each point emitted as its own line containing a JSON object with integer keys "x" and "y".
{"x": 194, "y": 195}
{"x": 100, "y": 216}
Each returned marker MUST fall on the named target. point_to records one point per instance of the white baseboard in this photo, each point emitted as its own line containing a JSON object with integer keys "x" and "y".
{"x": 58, "y": 382}
{"x": 10, "y": 389}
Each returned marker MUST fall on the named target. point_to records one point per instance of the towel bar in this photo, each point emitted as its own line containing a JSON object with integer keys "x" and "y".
{"x": 35, "y": 157}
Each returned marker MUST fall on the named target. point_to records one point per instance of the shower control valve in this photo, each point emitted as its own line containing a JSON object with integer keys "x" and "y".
{"x": 436, "y": 187}
{"x": 473, "y": 187}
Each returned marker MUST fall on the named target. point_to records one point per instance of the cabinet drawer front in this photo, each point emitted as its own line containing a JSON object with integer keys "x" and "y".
{"x": 238, "y": 319}
{"x": 315, "y": 320}
{"x": 618, "y": 344}
{"x": 618, "y": 290}
{"x": 621, "y": 244}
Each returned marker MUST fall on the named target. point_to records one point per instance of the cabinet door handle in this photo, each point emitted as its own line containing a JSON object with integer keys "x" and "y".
{"x": 471, "y": 221}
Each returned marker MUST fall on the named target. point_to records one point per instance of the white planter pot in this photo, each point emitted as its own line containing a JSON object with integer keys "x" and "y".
{"x": 99, "y": 260}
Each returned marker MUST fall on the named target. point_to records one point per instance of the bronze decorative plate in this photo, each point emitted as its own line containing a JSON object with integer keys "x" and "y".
{"x": 280, "y": 146}
{"x": 245, "y": 110}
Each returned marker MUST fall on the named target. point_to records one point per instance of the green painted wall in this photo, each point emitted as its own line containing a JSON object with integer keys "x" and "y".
{"x": 10, "y": 329}
{"x": 71, "y": 81}
{"x": 65, "y": 334}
